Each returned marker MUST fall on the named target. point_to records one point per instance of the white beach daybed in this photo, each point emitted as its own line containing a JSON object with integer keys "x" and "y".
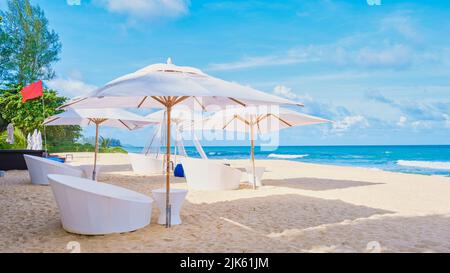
{"x": 208, "y": 175}
{"x": 39, "y": 168}
{"x": 95, "y": 208}
{"x": 146, "y": 164}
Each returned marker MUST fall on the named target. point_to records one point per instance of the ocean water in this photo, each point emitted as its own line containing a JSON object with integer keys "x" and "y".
{"x": 428, "y": 160}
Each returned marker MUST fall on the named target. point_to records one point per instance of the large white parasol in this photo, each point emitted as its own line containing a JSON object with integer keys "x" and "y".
{"x": 262, "y": 119}
{"x": 118, "y": 118}
{"x": 167, "y": 85}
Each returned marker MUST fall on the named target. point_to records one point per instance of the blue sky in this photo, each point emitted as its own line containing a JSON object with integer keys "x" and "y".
{"x": 381, "y": 72}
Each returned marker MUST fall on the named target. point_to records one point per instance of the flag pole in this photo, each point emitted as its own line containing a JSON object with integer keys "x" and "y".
{"x": 45, "y": 131}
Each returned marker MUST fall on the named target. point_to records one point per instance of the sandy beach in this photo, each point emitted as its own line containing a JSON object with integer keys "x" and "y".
{"x": 302, "y": 208}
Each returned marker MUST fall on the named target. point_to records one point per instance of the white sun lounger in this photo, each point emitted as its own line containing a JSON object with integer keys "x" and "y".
{"x": 146, "y": 164}
{"x": 209, "y": 175}
{"x": 95, "y": 208}
{"x": 39, "y": 168}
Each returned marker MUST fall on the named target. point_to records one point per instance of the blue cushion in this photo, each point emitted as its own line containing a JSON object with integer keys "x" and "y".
{"x": 57, "y": 159}
{"x": 178, "y": 172}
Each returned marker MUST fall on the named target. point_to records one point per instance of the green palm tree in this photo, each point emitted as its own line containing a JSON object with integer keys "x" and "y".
{"x": 105, "y": 142}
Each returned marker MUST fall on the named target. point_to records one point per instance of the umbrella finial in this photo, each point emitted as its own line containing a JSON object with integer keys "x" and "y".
{"x": 169, "y": 60}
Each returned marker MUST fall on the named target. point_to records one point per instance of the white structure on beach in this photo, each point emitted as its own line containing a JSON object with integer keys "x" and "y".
{"x": 166, "y": 86}
{"x": 98, "y": 208}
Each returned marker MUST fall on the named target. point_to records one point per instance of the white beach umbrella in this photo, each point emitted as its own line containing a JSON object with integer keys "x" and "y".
{"x": 35, "y": 139}
{"x": 167, "y": 85}
{"x": 118, "y": 118}
{"x": 29, "y": 142}
{"x": 263, "y": 119}
{"x": 39, "y": 141}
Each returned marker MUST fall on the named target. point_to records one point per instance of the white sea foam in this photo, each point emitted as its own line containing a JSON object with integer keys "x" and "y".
{"x": 287, "y": 156}
{"x": 425, "y": 164}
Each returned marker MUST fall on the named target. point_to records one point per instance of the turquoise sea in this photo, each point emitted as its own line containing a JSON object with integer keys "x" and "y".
{"x": 428, "y": 160}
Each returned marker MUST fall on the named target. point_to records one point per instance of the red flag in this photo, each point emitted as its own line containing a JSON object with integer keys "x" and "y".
{"x": 32, "y": 91}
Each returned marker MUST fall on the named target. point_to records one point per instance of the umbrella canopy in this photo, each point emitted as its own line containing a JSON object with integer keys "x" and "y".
{"x": 263, "y": 120}
{"x": 147, "y": 88}
{"x": 118, "y": 118}
{"x": 167, "y": 85}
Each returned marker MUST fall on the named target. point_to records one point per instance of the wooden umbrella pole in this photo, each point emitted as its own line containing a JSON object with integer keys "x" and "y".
{"x": 168, "y": 209}
{"x": 94, "y": 172}
{"x": 253, "y": 154}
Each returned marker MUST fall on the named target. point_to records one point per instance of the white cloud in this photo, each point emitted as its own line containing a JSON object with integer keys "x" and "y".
{"x": 348, "y": 122}
{"x": 403, "y": 24}
{"x": 346, "y": 52}
{"x": 394, "y": 42}
{"x": 401, "y": 122}
{"x": 283, "y": 91}
{"x": 421, "y": 124}
{"x": 147, "y": 8}
{"x": 393, "y": 56}
{"x": 70, "y": 87}
{"x": 291, "y": 57}
{"x": 447, "y": 120}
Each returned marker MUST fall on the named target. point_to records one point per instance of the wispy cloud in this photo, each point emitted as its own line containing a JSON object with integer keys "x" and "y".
{"x": 145, "y": 9}
{"x": 344, "y": 120}
{"x": 422, "y": 114}
{"x": 393, "y": 43}
{"x": 283, "y": 91}
{"x": 401, "y": 121}
{"x": 348, "y": 122}
{"x": 288, "y": 58}
{"x": 70, "y": 87}
{"x": 402, "y": 23}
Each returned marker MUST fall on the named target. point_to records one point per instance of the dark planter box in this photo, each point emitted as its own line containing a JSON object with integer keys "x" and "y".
{"x": 14, "y": 160}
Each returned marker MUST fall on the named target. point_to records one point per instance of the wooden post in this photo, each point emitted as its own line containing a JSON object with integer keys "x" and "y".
{"x": 168, "y": 208}
{"x": 253, "y": 153}
{"x": 94, "y": 172}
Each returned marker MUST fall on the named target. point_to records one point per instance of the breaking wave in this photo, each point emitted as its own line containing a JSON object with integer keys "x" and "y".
{"x": 282, "y": 156}
{"x": 425, "y": 164}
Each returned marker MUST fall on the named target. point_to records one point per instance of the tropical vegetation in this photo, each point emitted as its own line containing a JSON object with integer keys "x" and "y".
{"x": 28, "y": 50}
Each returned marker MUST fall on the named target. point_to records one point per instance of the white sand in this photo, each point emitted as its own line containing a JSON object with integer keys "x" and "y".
{"x": 302, "y": 208}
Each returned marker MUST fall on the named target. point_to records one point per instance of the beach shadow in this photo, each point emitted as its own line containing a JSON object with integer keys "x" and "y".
{"x": 275, "y": 214}
{"x": 138, "y": 182}
{"x": 116, "y": 168}
{"x": 277, "y": 223}
{"x": 316, "y": 184}
{"x": 385, "y": 233}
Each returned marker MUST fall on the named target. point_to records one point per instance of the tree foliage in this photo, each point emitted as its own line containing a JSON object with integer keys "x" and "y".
{"x": 20, "y": 141}
{"x": 30, "y": 115}
{"x": 28, "y": 48}
{"x": 105, "y": 142}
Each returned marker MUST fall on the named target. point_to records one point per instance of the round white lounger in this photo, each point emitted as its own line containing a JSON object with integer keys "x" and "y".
{"x": 208, "y": 175}
{"x": 94, "y": 208}
{"x": 146, "y": 164}
{"x": 39, "y": 168}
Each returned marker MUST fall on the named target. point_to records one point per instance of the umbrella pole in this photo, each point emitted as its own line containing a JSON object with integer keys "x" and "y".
{"x": 95, "y": 152}
{"x": 168, "y": 208}
{"x": 253, "y": 155}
